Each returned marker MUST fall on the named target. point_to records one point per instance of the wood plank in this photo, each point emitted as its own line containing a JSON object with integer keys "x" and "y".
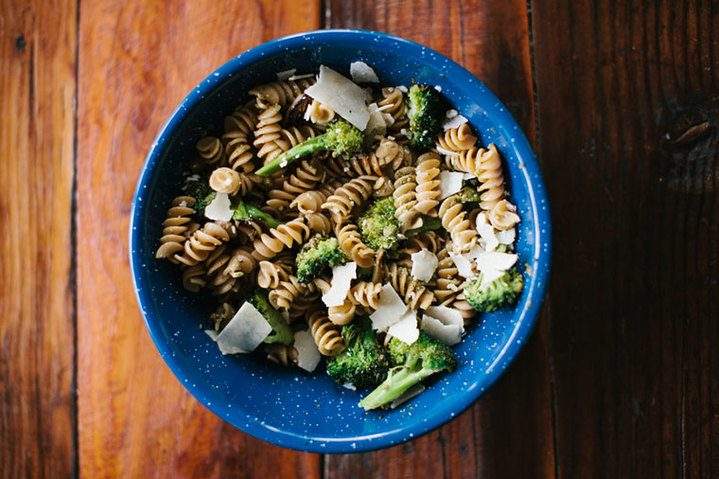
{"x": 37, "y": 114}
{"x": 137, "y": 61}
{"x": 635, "y": 206}
{"x": 509, "y": 432}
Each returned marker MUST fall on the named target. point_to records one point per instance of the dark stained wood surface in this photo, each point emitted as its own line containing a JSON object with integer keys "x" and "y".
{"x": 37, "y": 121}
{"x": 621, "y": 100}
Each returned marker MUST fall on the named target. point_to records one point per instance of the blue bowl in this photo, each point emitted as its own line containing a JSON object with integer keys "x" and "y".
{"x": 285, "y": 406}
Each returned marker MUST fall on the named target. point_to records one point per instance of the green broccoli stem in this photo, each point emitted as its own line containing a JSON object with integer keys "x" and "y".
{"x": 305, "y": 148}
{"x": 246, "y": 211}
{"x": 396, "y": 384}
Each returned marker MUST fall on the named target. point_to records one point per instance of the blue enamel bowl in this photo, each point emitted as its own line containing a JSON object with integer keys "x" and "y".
{"x": 286, "y": 406}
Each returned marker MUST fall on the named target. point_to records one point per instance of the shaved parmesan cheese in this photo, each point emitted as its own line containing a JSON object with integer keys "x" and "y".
{"x": 342, "y": 276}
{"x": 486, "y": 233}
{"x": 454, "y": 122}
{"x": 308, "y": 356}
{"x": 408, "y": 394}
{"x": 463, "y": 264}
{"x": 349, "y": 386}
{"x": 450, "y": 182}
{"x": 449, "y": 334}
{"x": 451, "y": 113}
{"x": 390, "y": 309}
{"x": 286, "y": 74}
{"x": 212, "y": 334}
{"x": 507, "y": 236}
{"x": 219, "y": 208}
{"x": 438, "y": 88}
{"x": 423, "y": 264}
{"x": 342, "y": 95}
{"x": 406, "y": 328}
{"x": 446, "y": 315}
{"x": 493, "y": 264}
{"x": 376, "y": 126}
{"x": 245, "y": 331}
{"x": 301, "y": 77}
{"x": 402, "y": 88}
{"x": 363, "y": 73}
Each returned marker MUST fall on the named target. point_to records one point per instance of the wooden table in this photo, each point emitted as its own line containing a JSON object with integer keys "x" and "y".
{"x": 621, "y": 101}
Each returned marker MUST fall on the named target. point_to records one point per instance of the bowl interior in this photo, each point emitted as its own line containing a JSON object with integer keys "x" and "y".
{"x": 285, "y": 406}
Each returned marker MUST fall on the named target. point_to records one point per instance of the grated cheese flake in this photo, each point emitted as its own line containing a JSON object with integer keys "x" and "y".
{"x": 488, "y": 239}
{"x": 454, "y": 122}
{"x": 219, "y": 208}
{"x": 507, "y": 236}
{"x": 349, "y": 386}
{"x": 212, "y": 334}
{"x": 463, "y": 264}
{"x": 424, "y": 263}
{"x": 363, "y": 73}
{"x": 450, "y": 182}
{"x": 493, "y": 264}
{"x": 390, "y": 310}
{"x": 376, "y": 125}
{"x": 446, "y": 315}
{"x": 342, "y": 277}
{"x": 245, "y": 331}
{"x": 341, "y": 94}
{"x": 286, "y": 74}
{"x": 406, "y": 328}
{"x": 308, "y": 356}
{"x": 449, "y": 334}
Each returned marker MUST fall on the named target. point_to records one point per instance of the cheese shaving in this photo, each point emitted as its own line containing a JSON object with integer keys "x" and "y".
{"x": 406, "y": 328}
{"x": 486, "y": 233}
{"x": 286, "y": 74}
{"x": 245, "y": 331}
{"x": 446, "y": 315}
{"x": 342, "y": 277}
{"x": 424, "y": 263}
{"x": 493, "y": 264}
{"x": 345, "y": 97}
{"x": 391, "y": 308}
{"x": 219, "y": 208}
{"x": 376, "y": 126}
{"x": 308, "y": 356}
{"x": 463, "y": 264}
{"x": 454, "y": 122}
{"x": 363, "y": 73}
{"x": 450, "y": 183}
{"x": 449, "y": 334}
{"x": 507, "y": 236}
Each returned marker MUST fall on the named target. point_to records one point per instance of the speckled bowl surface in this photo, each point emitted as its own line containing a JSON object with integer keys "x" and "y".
{"x": 286, "y": 406}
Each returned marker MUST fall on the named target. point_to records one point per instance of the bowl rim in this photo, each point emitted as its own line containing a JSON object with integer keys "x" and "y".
{"x": 449, "y": 409}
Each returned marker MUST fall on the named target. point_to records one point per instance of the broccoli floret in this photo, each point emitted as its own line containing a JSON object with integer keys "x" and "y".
{"x": 414, "y": 362}
{"x": 340, "y": 138}
{"x": 363, "y": 362}
{"x": 318, "y": 254}
{"x": 469, "y": 195}
{"x": 281, "y": 332}
{"x": 246, "y": 211}
{"x": 501, "y": 292}
{"x": 379, "y": 226}
{"x": 426, "y": 113}
{"x": 199, "y": 189}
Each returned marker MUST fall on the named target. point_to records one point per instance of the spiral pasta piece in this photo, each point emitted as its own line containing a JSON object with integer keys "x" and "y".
{"x": 309, "y": 201}
{"x": 353, "y": 247}
{"x": 365, "y": 294}
{"x": 267, "y": 131}
{"x": 466, "y": 161}
{"x": 504, "y": 215}
{"x": 353, "y": 193}
{"x": 242, "y": 120}
{"x": 202, "y": 242}
{"x": 282, "y": 354}
{"x": 491, "y": 179}
{"x": 238, "y": 151}
{"x": 392, "y": 102}
{"x": 176, "y": 227}
{"x": 293, "y": 136}
{"x": 271, "y": 273}
{"x": 405, "y": 198}
{"x": 428, "y": 184}
{"x": 342, "y": 314}
{"x": 391, "y": 153}
{"x": 457, "y": 139}
{"x": 281, "y": 92}
{"x": 413, "y": 293}
{"x": 225, "y": 268}
{"x": 303, "y": 179}
{"x": 326, "y": 335}
{"x": 319, "y": 113}
{"x": 286, "y": 235}
{"x": 318, "y": 223}
{"x": 465, "y": 309}
{"x": 225, "y": 180}
{"x": 287, "y": 292}
{"x": 193, "y": 278}
{"x": 447, "y": 280}
{"x": 454, "y": 219}
{"x": 210, "y": 149}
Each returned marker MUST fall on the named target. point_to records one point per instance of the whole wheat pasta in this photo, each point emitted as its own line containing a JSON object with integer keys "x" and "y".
{"x": 457, "y": 139}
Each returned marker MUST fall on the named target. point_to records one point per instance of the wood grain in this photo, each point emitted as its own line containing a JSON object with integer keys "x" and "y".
{"x": 634, "y": 311}
{"x": 37, "y": 114}
{"x": 137, "y": 59}
{"x": 514, "y": 420}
